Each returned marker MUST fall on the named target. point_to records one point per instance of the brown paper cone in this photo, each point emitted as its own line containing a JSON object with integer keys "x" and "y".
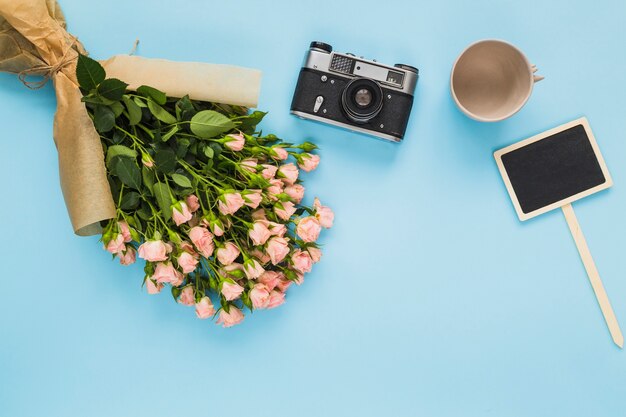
{"x": 33, "y": 37}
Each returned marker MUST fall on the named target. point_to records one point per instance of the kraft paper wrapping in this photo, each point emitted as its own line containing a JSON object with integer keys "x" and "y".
{"x": 33, "y": 38}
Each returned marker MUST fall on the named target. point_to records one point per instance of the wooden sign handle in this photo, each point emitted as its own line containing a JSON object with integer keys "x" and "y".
{"x": 594, "y": 276}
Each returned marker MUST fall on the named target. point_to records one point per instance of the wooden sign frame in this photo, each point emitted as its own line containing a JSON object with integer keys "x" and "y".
{"x": 509, "y": 187}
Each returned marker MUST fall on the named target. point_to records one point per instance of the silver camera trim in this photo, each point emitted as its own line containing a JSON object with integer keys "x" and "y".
{"x": 320, "y": 60}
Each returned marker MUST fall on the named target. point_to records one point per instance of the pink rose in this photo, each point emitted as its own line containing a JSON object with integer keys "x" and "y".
{"x": 283, "y": 284}
{"x": 271, "y": 279}
{"x": 116, "y": 245}
{"x": 269, "y": 171}
{"x": 253, "y": 269}
{"x": 300, "y": 278}
{"x": 277, "y": 229}
{"x": 260, "y": 296}
{"x": 324, "y": 214}
{"x": 288, "y": 173}
{"x": 188, "y": 247}
{"x": 128, "y": 257}
{"x": 181, "y": 214}
{"x": 234, "y": 316}
{"x": 204, "y": 308}
{"x": 316, "y": 254}
{"x": 284, "y": 210}
{"x": 216, "y": 225}
{"x": 227, "y": 254}
{"x": 193, "y": 203}
{"x": 277, "y": 249}
{"x": 232, "y": 271}
{"x": 187, "y": 262}
{"x": 235, "y": 142}
{"x": 276, "y": 298}
{"x": 231, "y": 291}
{"x": 308, "y": 162}
{"x": 295, "y": 192}
{"x": 302, "y": 261}
{"x": 147, "y": 160}
{"x": 187, "y": 296}
{"x": 166, "y": 273}
{"x": 153, "y": 251}
{"x": 275, "y": 188}
{"x": 259, "y": 233}
{"x": 152, "y": 287}
{"x": 309, "y": 229}
{"x": 252, "y": 198}
{"x": 229, "y": 203}
{"x": 249, "y": 164}
{"x": 203, "y": 239}
{"x": 125, "y": 231}
{"x": 259, "y": 215}
{"x": 263, "y": 257}
{"x": 279, "y": 153}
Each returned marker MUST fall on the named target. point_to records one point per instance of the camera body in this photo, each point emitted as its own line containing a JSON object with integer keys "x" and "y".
{"x": 355, "y": 93}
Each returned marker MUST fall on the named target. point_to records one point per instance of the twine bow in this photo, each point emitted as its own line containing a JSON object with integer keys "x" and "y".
{"x": 48, "y": 71}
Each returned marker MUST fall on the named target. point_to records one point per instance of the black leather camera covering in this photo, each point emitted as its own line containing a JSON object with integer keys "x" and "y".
{"x": 394, "y": 115}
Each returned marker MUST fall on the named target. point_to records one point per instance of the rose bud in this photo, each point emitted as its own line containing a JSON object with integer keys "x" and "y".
{"x": 153, "y": 251}
{"x": 231, "y": 291}
{"x": 288, "y": 173}
{"x": 308, "y": 229}
{"x": 204, "y": 308}
{"x": 279, "y": 153}
{"x": 229, "y": 203}
{"x": 193, "y": 203}
{"x": 277, "y": 249}
{"x": 228, "y": 253}
{"x": 259, "y": 233}
{"x": 187, "y": 262}
{"x": 235, "y": 142}
{"x": 230, "y": 318}
{"x": 302, "y": 261}
{"x": 259, "y": 296}
{"x": 324, "y": 214}
{"x": 187, "y": 296}
{"x": 203, "y": 240}
{"x": 284, "y": 210}
{"x": 128, "y": 257}
{"x": 308, "y": 162}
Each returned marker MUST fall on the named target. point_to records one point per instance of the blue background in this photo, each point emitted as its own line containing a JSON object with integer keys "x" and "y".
{"x": 432, "y": 299}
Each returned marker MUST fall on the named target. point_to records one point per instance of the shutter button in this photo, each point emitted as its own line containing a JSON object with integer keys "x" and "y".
{"x": 318, "y": 103}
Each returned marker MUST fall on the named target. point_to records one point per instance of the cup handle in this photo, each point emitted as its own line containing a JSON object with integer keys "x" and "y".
{"x": 537, "y": 78}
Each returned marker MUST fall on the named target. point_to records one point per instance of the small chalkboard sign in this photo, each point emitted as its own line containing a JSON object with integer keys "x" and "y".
{"x": 551, "y": 170}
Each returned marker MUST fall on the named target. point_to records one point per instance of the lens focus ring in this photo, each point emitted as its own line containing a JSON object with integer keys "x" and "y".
{"x": 362, "y": 100}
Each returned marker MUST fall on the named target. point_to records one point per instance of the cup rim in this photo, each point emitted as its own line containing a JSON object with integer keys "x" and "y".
{"x": 512, "y": 112}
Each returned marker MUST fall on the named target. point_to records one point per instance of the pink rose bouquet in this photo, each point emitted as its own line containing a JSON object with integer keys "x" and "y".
{"x": 211, "y": 205}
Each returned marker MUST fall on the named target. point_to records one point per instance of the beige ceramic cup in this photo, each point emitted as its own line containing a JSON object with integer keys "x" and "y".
{"x": 492, "y": 80}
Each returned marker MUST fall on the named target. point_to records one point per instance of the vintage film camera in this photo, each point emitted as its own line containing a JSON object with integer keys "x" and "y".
{"x": 355, "y": 93}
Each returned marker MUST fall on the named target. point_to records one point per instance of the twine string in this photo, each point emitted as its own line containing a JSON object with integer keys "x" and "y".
{"x": 46, "y": 70}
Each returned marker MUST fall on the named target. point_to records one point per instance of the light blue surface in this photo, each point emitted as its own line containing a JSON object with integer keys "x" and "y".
{"x": 432, "y": 299}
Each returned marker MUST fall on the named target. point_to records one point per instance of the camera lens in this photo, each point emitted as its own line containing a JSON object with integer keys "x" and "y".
{"x": 363, "y": 97}
{"x": 362, "y": 100}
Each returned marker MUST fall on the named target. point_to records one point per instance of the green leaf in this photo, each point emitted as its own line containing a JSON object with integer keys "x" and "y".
{"x": 176, "y": 292}
{"x": 165, "y": 161}
{"x": 97, "y": 100}
{"x": 148, "y": 178}
{"x": 139, "y": 102}
{"x": 185, "y": 109}
{"x": 103, "y": 119}
{"x": 248, "y": 124}
{"x": 181, "y": 180}
{"x": 209, "y": 152}
{"x": 117, "y": 108}
{"x": 128, "y": 172}
{"x": 170, "y": 133}
{"x": 183, "y": 146}
{"x": 134, "y": 111}
{"x": 158, "y": 96}
{"x": 112, "y": 88}
{"x": 118, "y": 137}
{"x": 160, "y": 113}
{"x": 209, "y": 124}
{"x": 89, "y": 73}
{"x": 130, "y": 201}
{"x": 163, "y": 196}
{"x": 119, "y": 150}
